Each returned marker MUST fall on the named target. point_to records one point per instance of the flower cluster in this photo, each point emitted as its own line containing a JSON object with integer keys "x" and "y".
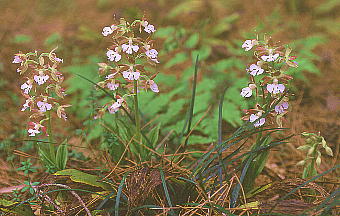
{"x": 41, "y": 89}
{"x": 313, "y": 145}
{"x": 267, "y": 80}
{"x": 131, "y": 48}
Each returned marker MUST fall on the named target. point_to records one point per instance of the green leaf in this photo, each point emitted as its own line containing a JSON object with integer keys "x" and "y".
{"x": 184, "y": 7}
{"x": 204, "y": 52}
{"x": 327, "y": 6}
{"x": 154, "y": 134}
{"x": 62, "y": 156}
{"x": 22, "y": 38}
{"x": 84, "y": 178}
{"x": 46, "y": 157}
{"x": 192, "y": 41}
{"x": 196, "y": 139}
{"x": 173, "y": 111}
{"x": 231, "y": 114}
{"x": 177, "y": 59}
{"x": 53, "y": 39}
{"x": 224, "y": 24}
{"x": 10, "y": 207}
{"x": 165, "y": 32}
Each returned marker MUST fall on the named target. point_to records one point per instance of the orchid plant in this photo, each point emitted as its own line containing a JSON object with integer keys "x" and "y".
{"x": 44, "y": 94}
{"x": 268, "y": 88}
{"x": 130, "y": 51}
{"x": 268, "y": 81}
{"x": 313, "y": 144}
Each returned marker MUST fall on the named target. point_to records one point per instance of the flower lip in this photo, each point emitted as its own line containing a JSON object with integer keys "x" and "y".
{"x": 246, "y": 92}
{"x": 41, "y": 79}
{"x": 107, "y": 31}
{"x": 275, "y": 88}
{"x": 131, "y": 75}
{"x": 17, "y": 59}
{"x": 44, "y": 106}
{"x": 113, "y": 55}
{"x": 27, "y": 86}
{"x": 255, "y": 118}
{"x": 281, "y": 108}
{"x": 255, "y": 69}
{"x": 130, "y": 48}
{"x": 270, "y": 57}
{"x": 248, "y": 44}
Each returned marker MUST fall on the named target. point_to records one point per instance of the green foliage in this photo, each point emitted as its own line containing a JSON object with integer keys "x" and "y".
{"x": 53, "y": 40}
{"x": 313, "y": 157}
{"x": 29, "y": 187}
{"x": 257, "y": 164}
{"x": 327, "y": 6}
{"x": 170, "y": 107}
{"x": 84, "y": 178}
{"x": 306, "y": 58}
{"x": 22, "y": 39}
{"x": 85, "y": 98}
{"x": 13, "y": 207}
{"x": 61, "y": 156}
{"x": 27, "y": 167}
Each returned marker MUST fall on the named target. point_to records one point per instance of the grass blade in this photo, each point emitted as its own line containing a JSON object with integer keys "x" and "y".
{"x": 165, "y": 188}
{"x": 119, "y": 192}
{"x": 192, "y": 103}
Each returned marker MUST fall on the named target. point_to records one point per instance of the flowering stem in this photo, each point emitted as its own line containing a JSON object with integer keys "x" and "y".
{"x": 137, "y": 120}
{"x": 50, "y": 136}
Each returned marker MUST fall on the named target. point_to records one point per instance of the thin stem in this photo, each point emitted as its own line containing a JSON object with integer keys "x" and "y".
{"x": 137, "y": 119}
{"x": 50, "y": 136}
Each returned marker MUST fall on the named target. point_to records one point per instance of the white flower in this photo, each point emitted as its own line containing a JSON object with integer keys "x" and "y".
{"x": 153, "y": 86}
{"x": 59, "y": 60}
{"x": 16, "y": 59}
{"x": 275, "y": 88}
{"x": 113, "y": 55}
{"x": 270, "y": 57}
{"x": 110, "y": 76}
{"x": 128, "y": 48}
{"x": 151, "y": 53}
{"x": 255, "y": 70}
{"x": 27, "y": 86}
{"x": 248, "y": 44}
{"x": 115, "y": 106}
{"x": 155, "y": 60}
{"x": 255, "y": 117}
{"x": 280, "y": 108}
{"x": 112, "y": 86}
{"x": 44, "y": 106}
{"x": 34, "y": 128}
{"x": 107, "y": 30}
{"x": 246, "y": 92}
{"x": 148, "y": 27}
{"x": 41, "y": 79}
{"x": 131, "y": 75}
{"x": 18, "y": 70}
{"x": 33, "y": 132}
{"x": 26, "y": 104}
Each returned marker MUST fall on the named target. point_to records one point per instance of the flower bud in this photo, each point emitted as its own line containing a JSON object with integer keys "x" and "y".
{"x": 252, "y": 86}
{"x": 301, "y": 163}
{"x": 311, "y": 150}
{"x": 329, "y": 151}
{"x": 318, "y": 161}
{"x": 323, "y": 142}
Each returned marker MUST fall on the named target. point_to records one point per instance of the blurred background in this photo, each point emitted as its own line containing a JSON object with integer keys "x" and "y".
{"x": 213, "y": 28}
